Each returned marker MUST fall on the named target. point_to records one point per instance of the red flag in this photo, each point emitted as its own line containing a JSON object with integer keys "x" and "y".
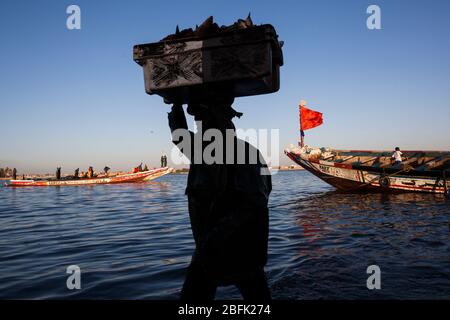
{"x": 309, "y": 118}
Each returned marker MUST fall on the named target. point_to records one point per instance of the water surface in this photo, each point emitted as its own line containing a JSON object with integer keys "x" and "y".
{"x": 133, "y": 241}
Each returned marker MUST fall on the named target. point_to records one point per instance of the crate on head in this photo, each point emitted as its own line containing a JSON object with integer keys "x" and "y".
{"x": 245, "y": 60}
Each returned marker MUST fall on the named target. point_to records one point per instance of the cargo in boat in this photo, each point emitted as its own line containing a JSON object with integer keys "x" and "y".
{"x": 355, "y": 170}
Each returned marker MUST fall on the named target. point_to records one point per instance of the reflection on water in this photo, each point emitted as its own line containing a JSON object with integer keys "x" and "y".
{"x": 406, "y": 235}
{"x": 134, "y": 241}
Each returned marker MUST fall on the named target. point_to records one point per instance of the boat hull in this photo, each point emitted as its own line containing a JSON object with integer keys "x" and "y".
{"x": 123, "y": 178}
{"x": 346, "y": 178}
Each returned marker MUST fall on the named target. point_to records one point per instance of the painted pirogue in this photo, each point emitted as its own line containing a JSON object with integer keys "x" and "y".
{"x": 121, "y": 178}
{"x": 355, "y": 170}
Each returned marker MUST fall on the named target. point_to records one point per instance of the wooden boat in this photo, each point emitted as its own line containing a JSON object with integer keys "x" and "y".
{"x": 356, "y": 170}
{"x": 120, "y": 178}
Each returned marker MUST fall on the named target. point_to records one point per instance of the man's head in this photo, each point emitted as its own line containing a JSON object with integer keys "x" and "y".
{"x": 397, "y": 149}
{"x": 214, "y": 112}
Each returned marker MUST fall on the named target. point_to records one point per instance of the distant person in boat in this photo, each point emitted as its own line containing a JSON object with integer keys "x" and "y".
{"x": 90, "y": 173}
{"x": 397, "y": 156}
{"x": 145, "y": 167}
{"x": 58, "y": 173}
{"x": 163, "y": 161}
{"x": 83, "y": 175}
{"x": 106, "y": 169}
{"x": 228, "y": 211}
{"x": 76, "y": 173}
{"x": 14, "y": 174}
{"x": 138, "y": 168}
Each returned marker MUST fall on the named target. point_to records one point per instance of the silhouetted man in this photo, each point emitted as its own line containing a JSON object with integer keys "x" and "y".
{"x": 14, "y": 174}
{"x": 58, "y": 173}
{"x": 227, "y": 208}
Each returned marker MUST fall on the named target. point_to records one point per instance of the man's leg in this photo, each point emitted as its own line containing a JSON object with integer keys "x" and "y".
{"x": 197, "y": 286}
{"x": 255, "y": 288}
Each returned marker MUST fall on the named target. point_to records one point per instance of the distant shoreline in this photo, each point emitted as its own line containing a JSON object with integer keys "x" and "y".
{"x": 288, "y": 168}
{"x": 280, "y": 168}
{"x": 177, "y": 171}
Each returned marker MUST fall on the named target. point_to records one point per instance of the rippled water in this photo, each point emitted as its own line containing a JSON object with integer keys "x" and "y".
{"x": 133, "y": 241}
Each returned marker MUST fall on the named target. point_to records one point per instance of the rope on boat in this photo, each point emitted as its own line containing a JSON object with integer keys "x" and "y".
{"x": 405, "y": 169}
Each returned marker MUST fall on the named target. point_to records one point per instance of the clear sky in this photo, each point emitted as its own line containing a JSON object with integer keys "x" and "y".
{"x": 76, "y": 97}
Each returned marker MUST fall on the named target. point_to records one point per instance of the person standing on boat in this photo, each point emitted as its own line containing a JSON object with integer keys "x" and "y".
{"x": 227, "y": 208}
{"x": 163, "y": 161}
{"x": 106, "y": 169}
{"x": 76, "y": 173}
{"x": 397, "y": 156}
{"x": 14, "y": 174}
{"x": 58, "y": 173}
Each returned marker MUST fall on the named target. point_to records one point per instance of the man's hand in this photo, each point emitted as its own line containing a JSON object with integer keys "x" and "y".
{"x": 167, "y": 101}
{"x": 173, "y": 100}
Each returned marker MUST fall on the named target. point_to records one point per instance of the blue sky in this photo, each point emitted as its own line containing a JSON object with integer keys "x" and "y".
{"x": 76, "y": 98}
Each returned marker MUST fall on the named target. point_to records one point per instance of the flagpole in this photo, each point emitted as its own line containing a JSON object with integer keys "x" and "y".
{"x": 301, "y": 138}
{"x": 302, "y": 134}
